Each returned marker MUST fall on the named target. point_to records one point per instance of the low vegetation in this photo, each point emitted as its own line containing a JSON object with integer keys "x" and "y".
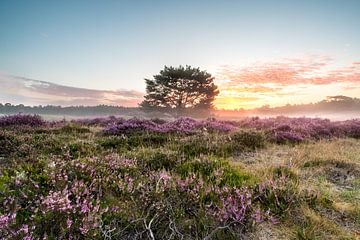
{"x": 113, "y": 178}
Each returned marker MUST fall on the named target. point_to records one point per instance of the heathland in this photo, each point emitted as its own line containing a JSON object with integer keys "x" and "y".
{"x": 111, "y": 178}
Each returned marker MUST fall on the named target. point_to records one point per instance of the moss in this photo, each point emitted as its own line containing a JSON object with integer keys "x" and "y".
{"x": 238, "y": 177}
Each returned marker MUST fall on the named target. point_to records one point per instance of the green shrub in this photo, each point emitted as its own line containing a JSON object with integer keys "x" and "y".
{"x": 283, "y": 171}
{"x": 154, "y": 159}
{"x": 237, "y": 177}
{"x": 197, "y": 146}
{"x": 73, "y": 129}
{"x": 147, "y": 140}
{"x": 202, "y": 167}
{"x": 9, "y": 143}
{"x": 279, "y": 192}
{"x": 110, "y": 142}
{"x": 81, "y": 149}
{"x": 248, "y": 140}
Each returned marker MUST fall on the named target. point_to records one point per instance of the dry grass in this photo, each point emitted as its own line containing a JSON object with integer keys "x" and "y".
{"x": 330, "y": 170}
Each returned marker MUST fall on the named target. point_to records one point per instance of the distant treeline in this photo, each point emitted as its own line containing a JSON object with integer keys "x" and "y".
{"x": 330, "y": 104}
{"x": 8, "y": 108}
{"x": 333, "y": 104}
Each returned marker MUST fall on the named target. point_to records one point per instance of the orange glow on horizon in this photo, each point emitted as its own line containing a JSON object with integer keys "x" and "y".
{"x": 289, "y": 81}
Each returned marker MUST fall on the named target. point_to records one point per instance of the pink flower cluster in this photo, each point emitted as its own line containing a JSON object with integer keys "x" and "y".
{"x": 57, "y": 201}
{"x": 235, "y": 205}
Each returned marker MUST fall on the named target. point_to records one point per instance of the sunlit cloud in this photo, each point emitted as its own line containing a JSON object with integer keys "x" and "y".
{"x": 266, "y": 82}
{"x": 291, "y": 71}
{"x": 40, "y": 92}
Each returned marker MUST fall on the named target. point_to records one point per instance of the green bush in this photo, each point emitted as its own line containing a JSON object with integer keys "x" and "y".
{"x": 73, "y": 129}
{"x": 154, "y": 158}
{"x": 248, "y": 140}
{"x": 9, "y": 143}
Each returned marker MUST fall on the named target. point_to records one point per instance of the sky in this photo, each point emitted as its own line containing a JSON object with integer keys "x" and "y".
{"x": 260, "y": 52}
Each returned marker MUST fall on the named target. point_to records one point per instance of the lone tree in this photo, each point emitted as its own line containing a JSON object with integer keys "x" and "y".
{"x": 179, "y": 89}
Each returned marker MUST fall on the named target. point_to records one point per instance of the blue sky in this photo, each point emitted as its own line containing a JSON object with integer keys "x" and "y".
{"x": 114, "y": 45}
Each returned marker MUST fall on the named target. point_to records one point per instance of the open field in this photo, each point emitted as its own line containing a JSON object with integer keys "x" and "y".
{"x": 110, "y": 178}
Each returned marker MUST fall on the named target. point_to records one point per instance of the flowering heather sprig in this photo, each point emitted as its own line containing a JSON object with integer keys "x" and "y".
{"x": 260, "y": 216}
{"x": 235, "y": 205}
{"x": 277, "y": 193}
{"x": 114, "y": 161}
{"x": 57, "y": 201}
{"x": 6, "y": 220}
{"x": 21, "y": 120}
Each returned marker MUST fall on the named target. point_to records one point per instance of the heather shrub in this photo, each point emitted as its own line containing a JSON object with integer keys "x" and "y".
{"x": 237, "y": 177}
{"x": 158, "y": 120}
{"x": 250, "y": 140}
{"x": 283, "y": 171}
{"x": 212, "y": 144}
{"x": 215, "y": 171}
{"x": 110, "y": 142}
{"x": 134, "y": 140}
{"x": 169, "y": 180}
{"x": 221, "y": 145}
{"x": 130, "y": 126}
{"x": 8, "y": 143}
{"x": 21, "y": 120}
{"x": 80, "y": 149}
{"x": 200, "y": 167}
{"x": 295, "y": 130}
{"x": 286, "y": 137}
{"x": 277, "y": 194}
{"x": 103, "y": 122}
{"x": 73, "y": 129}
{"x": 47, "y": 143}
{"x": 352, "y": 128}
{"x": 186, "y": 126}
{"x": 155, "y": 158}
{"x": 147, "y": 140}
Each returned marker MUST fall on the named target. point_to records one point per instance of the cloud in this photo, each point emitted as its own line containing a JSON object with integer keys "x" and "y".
{"x": 279, "y": 82}
{"x": 311, "y": 70}
{"x": 41, "y": 92}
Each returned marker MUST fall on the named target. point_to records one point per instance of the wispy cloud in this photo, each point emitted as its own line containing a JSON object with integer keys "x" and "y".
{"x": 311, "y": 70}
{"x": 268, "y": 82}
{"x": 40, "y": 92}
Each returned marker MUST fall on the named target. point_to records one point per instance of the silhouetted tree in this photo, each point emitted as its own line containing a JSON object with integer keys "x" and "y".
{"x": 177, "y": 89}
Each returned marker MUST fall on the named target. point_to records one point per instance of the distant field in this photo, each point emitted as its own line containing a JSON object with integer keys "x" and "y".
{"x": 111, "y": 178}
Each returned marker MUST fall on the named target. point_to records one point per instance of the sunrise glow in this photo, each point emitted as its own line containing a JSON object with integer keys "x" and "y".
{"x": 259, "y": 53}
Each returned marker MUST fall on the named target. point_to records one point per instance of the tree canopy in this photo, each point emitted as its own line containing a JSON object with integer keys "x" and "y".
{"x": 180, "y": 88}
